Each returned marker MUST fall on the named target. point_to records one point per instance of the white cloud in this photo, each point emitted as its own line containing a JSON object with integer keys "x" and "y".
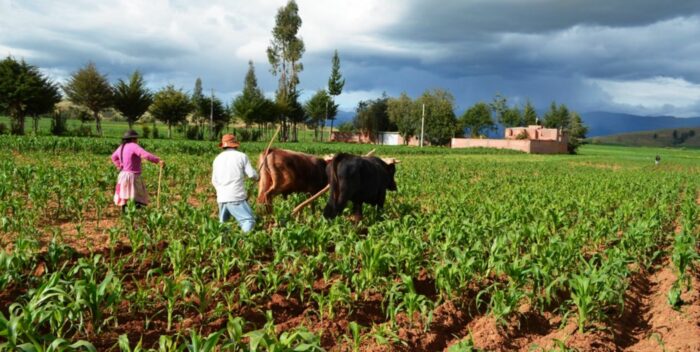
{"x": 657, "y": 95}
{"x": 637, "y": 66}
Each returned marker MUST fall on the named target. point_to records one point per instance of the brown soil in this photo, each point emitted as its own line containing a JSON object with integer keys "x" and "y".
{"x": 667, "y": 328}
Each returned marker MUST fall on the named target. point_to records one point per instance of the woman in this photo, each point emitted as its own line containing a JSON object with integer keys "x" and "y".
{"x": 127, "y": 158}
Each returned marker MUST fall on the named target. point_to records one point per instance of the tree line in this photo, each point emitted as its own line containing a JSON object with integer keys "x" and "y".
{"x": 25, "y": 91}
{"x": 404, "y": 115}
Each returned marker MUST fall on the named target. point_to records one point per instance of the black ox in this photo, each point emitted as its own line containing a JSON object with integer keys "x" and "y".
{"x": 359, "y": 180}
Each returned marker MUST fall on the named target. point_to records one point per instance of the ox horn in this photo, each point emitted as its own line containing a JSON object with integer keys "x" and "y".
{"x": 321, "y": 192}
{"x": 390, "y": 161}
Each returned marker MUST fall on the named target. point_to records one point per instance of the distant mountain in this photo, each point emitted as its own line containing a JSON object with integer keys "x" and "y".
{"x": 673, "y": 137}
{"x": 602, "y": 123}
{"x": 343, "y": 116}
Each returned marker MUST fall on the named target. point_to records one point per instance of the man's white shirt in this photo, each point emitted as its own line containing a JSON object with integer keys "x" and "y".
{"x": 229, "y": 170}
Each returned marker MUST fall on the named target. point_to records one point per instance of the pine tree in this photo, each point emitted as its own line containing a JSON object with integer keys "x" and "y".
{"x": 529, "y": 114}
{"x": 336, "y": 82}
{"x": 132, "y": 99}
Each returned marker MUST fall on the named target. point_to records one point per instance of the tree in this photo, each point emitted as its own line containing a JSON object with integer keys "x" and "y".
{"x": 218, "y": 113}
{"x": 371, "y": 116}
{"x": 171, "y": 106}
{"x": 557, "y": 116}
{"x": 201, "y": 110}
{"x": 24, "y": 91}
{"x": 252, "y": 106}
{"x": 560, "y": 117}
{"x": 284, "y": 55}
{"x": 91, "y": 89}
{"x": 477, "y": 119}
{"x": 529, "y": 114}
{"x": 317, "y": 108}
{"x": 405, "y": 113}
{"x": 577, "y": 132}
{"x": 336, "y": 82}
{"x": 507, "y": 117}
{"x": 44, "y": 101}
{"x": 440, "y": 120}
{"x": 132, "y": 99}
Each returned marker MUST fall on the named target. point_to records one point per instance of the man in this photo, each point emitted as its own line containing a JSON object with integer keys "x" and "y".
{"x": 229, "y": 170}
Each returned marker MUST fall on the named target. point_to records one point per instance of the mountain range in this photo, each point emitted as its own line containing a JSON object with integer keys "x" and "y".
{"x": 601, "y": 123}
{"x": 604, "y": 123}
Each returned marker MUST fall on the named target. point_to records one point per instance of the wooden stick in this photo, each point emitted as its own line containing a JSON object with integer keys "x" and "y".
{"x": 301, "y": 206}
{"x": 267, "y": 150}
{"x": 160, "y": 178}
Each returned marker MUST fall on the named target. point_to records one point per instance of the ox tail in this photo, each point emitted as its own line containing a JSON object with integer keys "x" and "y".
{"x": 333, "y": 177}
{"x": 265, "y": 181}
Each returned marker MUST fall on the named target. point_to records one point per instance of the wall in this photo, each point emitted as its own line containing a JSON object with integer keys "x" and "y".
{"x": 527, "y": 146}
{"x": 522, "y": 145}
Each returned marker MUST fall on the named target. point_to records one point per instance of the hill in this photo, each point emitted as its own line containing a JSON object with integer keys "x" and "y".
{"x": 603, "y": 123}
{"x": 672, "y": 137}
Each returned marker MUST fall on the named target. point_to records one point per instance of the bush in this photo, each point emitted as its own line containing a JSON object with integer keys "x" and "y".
{"x": 156, "y": 135}
{"x": 193, "y": 132}
{"x": 82, "y": 131}
{"x": 248, "y": 136}
{"x": 3, "y": 128}
{"x": 145, "y": 131}
{"x": 346, "y": 127}
{"x": 59, "y": 125}
{"x": 522, "y": 135}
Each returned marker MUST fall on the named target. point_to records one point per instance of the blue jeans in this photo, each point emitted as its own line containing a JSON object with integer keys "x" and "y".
{"x": 239, "y": 210}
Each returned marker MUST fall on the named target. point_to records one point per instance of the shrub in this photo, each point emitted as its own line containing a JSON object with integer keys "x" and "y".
{"x": 193, "y": 132}
{"x": 58, "y": 123}
{"x": 145, "y": 131}
{"x": 346, "y": 127}
{"x": 82, "y": 131}
{"x": 3, "y": 128}
{"x": 248, "y": 135}
{"x": 522, "y": 135}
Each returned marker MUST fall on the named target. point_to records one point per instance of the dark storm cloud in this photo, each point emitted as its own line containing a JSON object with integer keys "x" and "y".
{"x": 446, "y": 21}
{"x": 582, "y": 53}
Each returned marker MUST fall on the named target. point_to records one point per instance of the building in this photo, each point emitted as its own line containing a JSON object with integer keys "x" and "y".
{"x": 385, "y": 138}
{"x": 532, "y": 139}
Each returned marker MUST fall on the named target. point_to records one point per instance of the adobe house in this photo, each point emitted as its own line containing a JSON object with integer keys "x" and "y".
{"x": 385, "y": 138}
{"x": 533, "y": 139}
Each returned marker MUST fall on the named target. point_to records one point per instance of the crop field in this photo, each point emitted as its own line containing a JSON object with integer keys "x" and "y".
{"x": 477, "y": 250}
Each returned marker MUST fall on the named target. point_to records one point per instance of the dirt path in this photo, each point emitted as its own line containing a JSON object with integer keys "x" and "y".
{"x": 668, "y": 329}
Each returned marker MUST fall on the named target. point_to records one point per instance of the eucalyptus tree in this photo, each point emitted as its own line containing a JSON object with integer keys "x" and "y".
{"x": 284, "y": 55}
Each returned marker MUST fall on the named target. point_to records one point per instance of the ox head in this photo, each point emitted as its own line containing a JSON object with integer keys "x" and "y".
{"x": 391, "y": 169}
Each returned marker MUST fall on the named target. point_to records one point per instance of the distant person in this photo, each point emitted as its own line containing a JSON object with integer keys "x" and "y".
{"x": 229, "y": 170}
{"x": 127, "y": 158}
{"x": 657, "y": 160}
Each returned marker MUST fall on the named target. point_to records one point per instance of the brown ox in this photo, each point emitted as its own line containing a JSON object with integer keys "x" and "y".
{"x": 285, "y": 172}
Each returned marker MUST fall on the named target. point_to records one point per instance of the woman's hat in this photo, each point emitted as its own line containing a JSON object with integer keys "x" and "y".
{"x": 229, "y": 141}
{"x": 130, "y": 134}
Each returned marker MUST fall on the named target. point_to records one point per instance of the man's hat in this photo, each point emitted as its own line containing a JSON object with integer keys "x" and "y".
{"x": 229, "y": 141}
{"x": 130, "y": 134}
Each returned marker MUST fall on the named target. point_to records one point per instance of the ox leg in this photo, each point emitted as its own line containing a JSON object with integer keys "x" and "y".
{"x": 334, "y": 208}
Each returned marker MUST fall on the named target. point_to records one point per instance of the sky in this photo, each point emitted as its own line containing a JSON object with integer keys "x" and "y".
{"x": 640, "y": 57}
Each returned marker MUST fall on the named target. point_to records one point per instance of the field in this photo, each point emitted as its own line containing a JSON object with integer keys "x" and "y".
{"x": 478, "y": 250}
